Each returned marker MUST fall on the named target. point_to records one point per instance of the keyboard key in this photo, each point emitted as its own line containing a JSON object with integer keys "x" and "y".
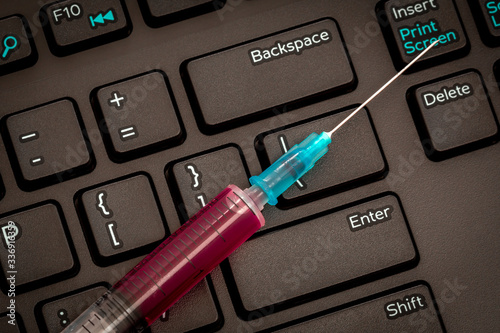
{"x": 409, "y": 310}
{"x": 140, "y": 116}
{"x": 59, "y": 313}
{"x": 182, "y": 318}
{"x": 43, "y": 252}
{"x": 11, "y": 323}
{"x": 48, "y": 144}
{"x": 75, "y": 26}
{"x": 17, "y": 50}
{"x": 410, "y": 26}
{"x": 121, "y": 219}
{"x": 355, "y": 156}
{"x": 289, "y": 69}
{"x": 158, "y": 13}
{"x": 487, "y": 16}
{"x": 301, "y": 262}
{"x": 197, "y": 180}
{"x": 453, "y": 115}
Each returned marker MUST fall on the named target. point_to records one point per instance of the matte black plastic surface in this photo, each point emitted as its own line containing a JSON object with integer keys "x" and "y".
{"x": 121, "y": 217}
{"x": 487, "y": 16}
{"x": 17, "y": 50}
{"x": 277, "y": 71}
{"x": 138, "y": 116}
{"x": 75, "y": 26}
{"x": 10, "y": 328}
{"x": 409, "y": 310}
{"x": 58, "y": 313}
{"x": 453, "y": 115}
{"x": 199, "y": 179}
{"x": 196, "y": 311}
{"x": 159, "y": 12}
{"x": 2, "y": 188}
{"x": 47, "y": 145}
{"x": 410, "y": 26}
{"x": 43, "y": 254}
{"x": 369, "y": 239}
{"x": 452, "y": 206}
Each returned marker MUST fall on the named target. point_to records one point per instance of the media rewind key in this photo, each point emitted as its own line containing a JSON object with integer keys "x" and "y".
{"x": 102, "y": 18}
{"x": 73, "y": 27}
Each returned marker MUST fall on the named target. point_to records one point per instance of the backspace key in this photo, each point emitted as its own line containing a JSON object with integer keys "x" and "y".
{"x": 288, "y": 69}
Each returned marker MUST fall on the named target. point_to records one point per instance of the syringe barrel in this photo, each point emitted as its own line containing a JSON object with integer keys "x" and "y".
{"x": 175, "y": 266}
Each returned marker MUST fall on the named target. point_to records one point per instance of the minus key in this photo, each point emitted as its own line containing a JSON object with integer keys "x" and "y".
{"x": 36, "y": 161}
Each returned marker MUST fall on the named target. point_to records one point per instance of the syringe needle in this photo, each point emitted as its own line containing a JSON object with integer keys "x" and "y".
{"x": 381, "y": 89}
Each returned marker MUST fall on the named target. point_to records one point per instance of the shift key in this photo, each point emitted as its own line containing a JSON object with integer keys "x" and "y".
{"x": 281, "y": 72}
{"x": 407, "y": 310}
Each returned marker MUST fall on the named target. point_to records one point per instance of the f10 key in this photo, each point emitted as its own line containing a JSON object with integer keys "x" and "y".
{"x": 75, "y": 26}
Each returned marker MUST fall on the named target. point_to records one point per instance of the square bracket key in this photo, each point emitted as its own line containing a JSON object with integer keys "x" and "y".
{"x": 47, "y": 144}
{"x": 138, "y": 116}
{"x": 197, "y": 179}
{"x": 121, "y": 219}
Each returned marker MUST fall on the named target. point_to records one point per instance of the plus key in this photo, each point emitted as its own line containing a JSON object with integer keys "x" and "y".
{"x": 139, "y": 114}
{"x": 117, "y": 101}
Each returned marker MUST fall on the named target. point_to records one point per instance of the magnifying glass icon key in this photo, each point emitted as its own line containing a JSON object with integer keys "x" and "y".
{"x": 10, "y": 43}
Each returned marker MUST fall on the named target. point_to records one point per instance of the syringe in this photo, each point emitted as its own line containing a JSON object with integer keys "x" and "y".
{"x": 203, "y": 242}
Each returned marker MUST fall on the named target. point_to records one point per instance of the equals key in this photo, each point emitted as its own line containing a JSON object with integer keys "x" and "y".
{"x": 23, "y": 138}
{"x": 127, "y": 133}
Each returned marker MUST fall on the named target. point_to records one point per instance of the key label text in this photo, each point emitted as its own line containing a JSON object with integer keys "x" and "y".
{"x": 295, "y": 46}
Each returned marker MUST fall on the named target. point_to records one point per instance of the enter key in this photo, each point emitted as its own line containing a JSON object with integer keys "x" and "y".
{"x": 318, "y": 257}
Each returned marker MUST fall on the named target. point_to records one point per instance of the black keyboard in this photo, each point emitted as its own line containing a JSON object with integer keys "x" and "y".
{"x": 120, "y": 119}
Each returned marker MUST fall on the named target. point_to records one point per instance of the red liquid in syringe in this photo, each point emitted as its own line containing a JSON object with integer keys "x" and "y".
{"x": 175, "y": 266}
